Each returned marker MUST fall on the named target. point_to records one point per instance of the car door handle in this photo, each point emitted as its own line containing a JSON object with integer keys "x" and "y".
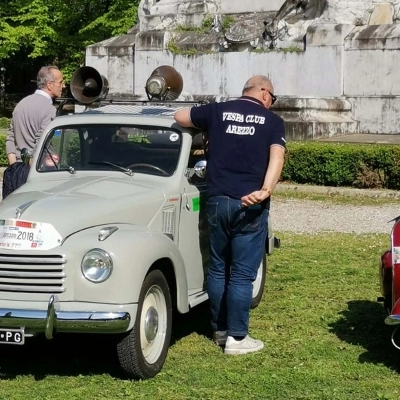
{"x": 186, "y": 199}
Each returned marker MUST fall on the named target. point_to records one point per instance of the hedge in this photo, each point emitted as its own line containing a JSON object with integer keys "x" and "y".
{"x": 343, "y": 164}
{"x": 4, "y": 122}
{"x": 3, "y": 155}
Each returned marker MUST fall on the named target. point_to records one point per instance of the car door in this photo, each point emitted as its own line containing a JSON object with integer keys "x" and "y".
{"x": 193, "y": 231}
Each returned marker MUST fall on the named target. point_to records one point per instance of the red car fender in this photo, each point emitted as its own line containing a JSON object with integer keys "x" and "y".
{"x": 396, "y": 261}
{"x": 385, "y": 272}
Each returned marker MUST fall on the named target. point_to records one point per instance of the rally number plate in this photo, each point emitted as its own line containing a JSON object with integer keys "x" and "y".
{"x": 27, "y": 235}
{"x": 12, "y": 336}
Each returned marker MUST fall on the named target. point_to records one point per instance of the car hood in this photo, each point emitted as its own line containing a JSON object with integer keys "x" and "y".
{"x": 76, "y": 203}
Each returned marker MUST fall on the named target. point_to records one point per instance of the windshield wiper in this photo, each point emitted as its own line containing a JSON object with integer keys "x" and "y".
{"x": 116, "y": 166}
{"x": 51, "y": 157}
{"x": 69, "y": 168}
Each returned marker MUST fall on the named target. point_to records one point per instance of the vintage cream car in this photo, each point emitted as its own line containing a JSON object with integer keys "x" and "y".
{"x": 108, "y": 234}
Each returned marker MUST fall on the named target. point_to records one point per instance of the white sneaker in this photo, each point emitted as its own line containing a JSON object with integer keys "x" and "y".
{"x": 244, "y": 346}
{"x": 220, "y": 337}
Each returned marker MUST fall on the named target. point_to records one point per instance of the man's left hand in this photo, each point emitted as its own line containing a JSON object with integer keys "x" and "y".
{"x": 11, "y": 158}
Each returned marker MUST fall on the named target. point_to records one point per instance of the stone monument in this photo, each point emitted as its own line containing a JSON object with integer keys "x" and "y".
{"x": 333, "y": 63}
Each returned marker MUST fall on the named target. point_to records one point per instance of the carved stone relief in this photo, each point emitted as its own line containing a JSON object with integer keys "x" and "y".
{"x": 267, "y": 30}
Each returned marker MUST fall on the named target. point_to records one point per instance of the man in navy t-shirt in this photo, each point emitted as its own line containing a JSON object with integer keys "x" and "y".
{"x": 246, "y": 148}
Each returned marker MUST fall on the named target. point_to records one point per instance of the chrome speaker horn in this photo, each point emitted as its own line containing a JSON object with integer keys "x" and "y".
{"x": 164, "y": 83}
{"x": 88, "y": 85}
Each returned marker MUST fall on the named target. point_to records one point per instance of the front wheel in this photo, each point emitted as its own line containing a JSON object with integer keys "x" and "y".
{"x": 143, "y": 350}
{"x": 259, "y": 283}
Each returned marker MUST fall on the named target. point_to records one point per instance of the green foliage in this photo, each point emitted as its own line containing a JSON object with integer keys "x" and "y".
{"x": 189, "y": 28}
{"x": 259, "y": 50}
{"x": 227, "y": 21}
{"x": 3, "y": 155}
{"x": 333, "y": 164}
{"x": 4, "y": 123}
{"x": 289, "y": 49}
{"x": 57, "y": 32}
{"x": 173, "y": 47}
{"x": 207, "y": 23}
{"x": 74, "y": 149}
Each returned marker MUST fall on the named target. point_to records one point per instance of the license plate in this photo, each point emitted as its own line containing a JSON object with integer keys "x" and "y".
{"x": 16, "y": 234}
{"x": 12, "y": 336}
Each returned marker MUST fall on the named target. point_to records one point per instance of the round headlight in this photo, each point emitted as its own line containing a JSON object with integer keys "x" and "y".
{"x": 96, "y": 265}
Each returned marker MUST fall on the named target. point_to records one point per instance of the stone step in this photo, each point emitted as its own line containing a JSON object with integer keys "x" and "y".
{"x": 316, "y": 118}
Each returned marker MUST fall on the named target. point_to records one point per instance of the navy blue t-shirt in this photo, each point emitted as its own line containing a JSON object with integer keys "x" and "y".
{"x": 240, "y": 134}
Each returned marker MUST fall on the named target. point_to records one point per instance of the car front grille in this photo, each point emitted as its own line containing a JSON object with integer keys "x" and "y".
{"x": 32, "y": 273}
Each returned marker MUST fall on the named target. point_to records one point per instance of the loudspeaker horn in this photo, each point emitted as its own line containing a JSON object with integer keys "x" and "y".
{"x": 87, "y": 85}
{"x": 164, "y": 83}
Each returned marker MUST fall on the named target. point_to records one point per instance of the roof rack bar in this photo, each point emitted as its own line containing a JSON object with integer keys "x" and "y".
{"x": 151, "y": 102}
{"x": 62, "y": 101}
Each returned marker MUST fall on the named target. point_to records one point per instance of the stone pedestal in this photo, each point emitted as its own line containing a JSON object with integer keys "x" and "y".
{"x": 115, "y": 59}
{"x": 309, "y": 119}
{"x": 338, "y": 76}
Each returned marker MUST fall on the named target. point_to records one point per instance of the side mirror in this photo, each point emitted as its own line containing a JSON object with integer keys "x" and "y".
{"x": 26, "y": 155}
{"x": 200, "y": 168}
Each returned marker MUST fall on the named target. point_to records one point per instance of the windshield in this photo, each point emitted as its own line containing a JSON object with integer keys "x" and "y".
{"x": 141, "y": 149}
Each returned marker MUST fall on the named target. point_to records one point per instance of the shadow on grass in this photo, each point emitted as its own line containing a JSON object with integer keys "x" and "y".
{"x": 363, "y": 324}
{"x": 65, "y": 355}
{"x": 196, "y": 321}
{"x": 79, "y": 354}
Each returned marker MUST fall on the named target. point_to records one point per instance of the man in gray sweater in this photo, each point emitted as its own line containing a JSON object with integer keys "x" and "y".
{"x": 33, "y": 113}
{"x": 29, "y": 119}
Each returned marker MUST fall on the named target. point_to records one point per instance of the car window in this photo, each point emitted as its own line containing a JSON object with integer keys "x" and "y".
{"x": 197, "y": 151}
{"x": 144, "y": 149}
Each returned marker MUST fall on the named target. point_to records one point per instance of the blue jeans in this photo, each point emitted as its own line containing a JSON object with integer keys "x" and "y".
{"x": 237, "y": 245}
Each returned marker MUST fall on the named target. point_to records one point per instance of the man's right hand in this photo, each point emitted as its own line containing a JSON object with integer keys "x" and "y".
{"x": 11, "y": 158}
{"x": 255, "y": 198}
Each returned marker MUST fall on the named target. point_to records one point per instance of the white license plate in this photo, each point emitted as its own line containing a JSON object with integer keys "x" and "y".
{"x": 28, "y": 235}
{"x": 12, "y": 336}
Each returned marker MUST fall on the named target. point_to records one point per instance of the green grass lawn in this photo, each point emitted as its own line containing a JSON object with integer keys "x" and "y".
{"x": 323, "y": 331}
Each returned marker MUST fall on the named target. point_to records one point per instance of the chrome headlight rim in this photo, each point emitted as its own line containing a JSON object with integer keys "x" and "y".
{"x": 102, "y": 255}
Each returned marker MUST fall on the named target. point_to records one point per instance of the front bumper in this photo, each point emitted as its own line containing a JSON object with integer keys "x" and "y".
{"x": 49, "y": 321}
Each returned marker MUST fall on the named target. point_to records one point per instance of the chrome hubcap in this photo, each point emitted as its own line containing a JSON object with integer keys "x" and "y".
{"x": 151, "y": 324}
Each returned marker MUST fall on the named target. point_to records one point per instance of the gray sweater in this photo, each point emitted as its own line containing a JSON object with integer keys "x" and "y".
{"x": 30, "y": 117}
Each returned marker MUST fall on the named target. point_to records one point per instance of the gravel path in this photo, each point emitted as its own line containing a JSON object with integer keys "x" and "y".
{"x": 304, "y": 216}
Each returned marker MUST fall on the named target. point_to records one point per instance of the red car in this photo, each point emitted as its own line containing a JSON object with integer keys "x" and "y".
{"x": 390, "y": 279}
